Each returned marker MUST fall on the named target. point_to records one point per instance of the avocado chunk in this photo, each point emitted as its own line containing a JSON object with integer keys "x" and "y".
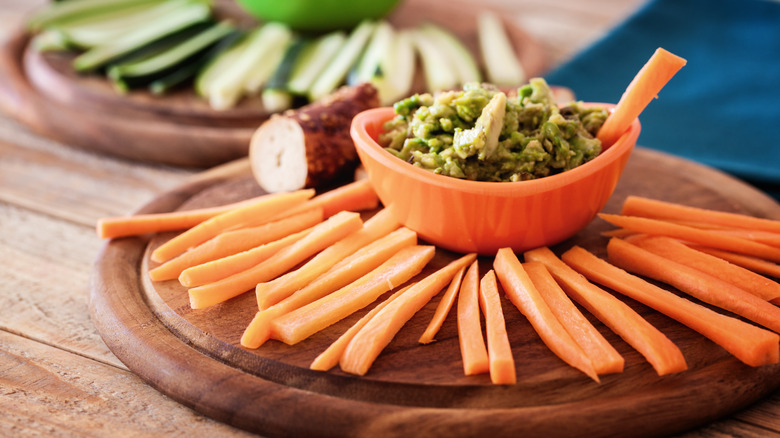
{"x": 482, "y": 139}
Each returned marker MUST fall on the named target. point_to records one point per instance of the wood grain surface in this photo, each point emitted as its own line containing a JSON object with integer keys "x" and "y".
{"x": 57, "y": 377}
{"x": 194, "y": 355}
{"x": 44, "y": 92}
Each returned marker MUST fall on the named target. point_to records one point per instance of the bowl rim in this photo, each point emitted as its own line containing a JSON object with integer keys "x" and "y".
{"x": 366, "y": 143}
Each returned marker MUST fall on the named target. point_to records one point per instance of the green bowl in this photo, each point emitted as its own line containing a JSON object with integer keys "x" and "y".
{"x": 318, "y": 15}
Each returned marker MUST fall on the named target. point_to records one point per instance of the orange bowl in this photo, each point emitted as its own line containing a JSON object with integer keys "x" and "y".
{"x": 474, "y": 216}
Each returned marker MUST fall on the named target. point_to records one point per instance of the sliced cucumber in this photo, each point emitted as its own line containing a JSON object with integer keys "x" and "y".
{"x": 50, "y": 39}
{"x": 228, "y": 86}
{"x": 437, "y": 75}
{"x": 191, "y": 69}
{"x": 313, "y": 60}
{"x": 276, "y": 100}
{"x": 59, "y": 13}
{"x": 131, "y": 75}
{"x": 502, "y": 66}
{"x": 262, "y": 73}
{"x": 397, "y": 68}
{"x": 159, "y": 46}
{"x": 368, "y": 67}
{"x": 99, "y": 29}
{"x": 276, "y": 97}
{"x": 156, "y": 29}
{"x": 219, "y": 65}
{"x": 336, "y": 71}
{"x": 460, "y": 58}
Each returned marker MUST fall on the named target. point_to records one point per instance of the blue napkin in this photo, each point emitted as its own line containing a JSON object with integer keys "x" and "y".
{"x": 723, "y": 108}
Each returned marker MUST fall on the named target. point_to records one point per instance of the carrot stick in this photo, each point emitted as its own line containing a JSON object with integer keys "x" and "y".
{"x": 618, "y": 232}
{"x": 472, "y": 344}
{"x": 755, "y": 264}
{"x": 442, "y": 309}
{"x": 273, "y": 291}
{"x": 355, "y": 196}
{"x": 603, "y": 356}
{"x": 694, "y": 282}
{"x": 343, "y": 273}
{"x": 524, "y": 295}
{"x": 267, "y": 207}
{"x": 368, "y": 343}
{"x": 235, "y": 241}
{"x": 307, "y": 320}
{"x": 215, "y": 270}
{"x": 677, "y": 251}
{"x": 748, "y": 343}
{"x": 645, "y": 86}
{"x": 654, "y": 209}
{"x": 765, "y": 237}
{"x": 694, "y": 235}
{"x": 662, "y": 354}
{"x": 321, "y": 236}
{"x": 331, "y": 356}
{"x": 122, "y": 226}
{"x": 502, "y": 363}
{"x": 694, "y": 224}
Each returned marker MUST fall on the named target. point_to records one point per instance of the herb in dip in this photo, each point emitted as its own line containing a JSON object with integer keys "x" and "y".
{"x": 480, "y": 133}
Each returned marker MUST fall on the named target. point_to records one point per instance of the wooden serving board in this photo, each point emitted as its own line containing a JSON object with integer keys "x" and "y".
{"x": 418, "y": 390}
{"x": 43, "y": 92}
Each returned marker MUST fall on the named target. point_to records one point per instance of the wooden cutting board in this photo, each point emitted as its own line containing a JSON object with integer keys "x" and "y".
{"x": 418, "y": 390}
{"x": 43, "y": 92}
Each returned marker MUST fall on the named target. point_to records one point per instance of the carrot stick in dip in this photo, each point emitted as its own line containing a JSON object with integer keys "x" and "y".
{"x": 645, "y": 86}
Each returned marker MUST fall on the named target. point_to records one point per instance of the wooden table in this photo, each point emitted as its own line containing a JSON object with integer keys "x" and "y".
{"x": 57, "y": 378}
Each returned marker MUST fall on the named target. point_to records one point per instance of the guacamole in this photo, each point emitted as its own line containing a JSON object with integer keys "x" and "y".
{"x": 480, "y": 133}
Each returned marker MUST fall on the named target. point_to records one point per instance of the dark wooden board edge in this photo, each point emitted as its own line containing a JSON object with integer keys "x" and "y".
{"x": 150, "y": 140}
{"x": 218, "y": 389}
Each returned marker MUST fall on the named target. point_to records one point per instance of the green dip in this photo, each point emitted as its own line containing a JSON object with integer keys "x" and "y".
{"x": 479, "y": 133}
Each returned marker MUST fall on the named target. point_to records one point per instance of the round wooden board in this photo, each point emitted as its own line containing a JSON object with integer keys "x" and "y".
{"x": 43, "y": 92}
{"x": 418, "y": 390}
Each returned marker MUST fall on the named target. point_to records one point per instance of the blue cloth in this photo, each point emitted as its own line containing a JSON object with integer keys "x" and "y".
{"x": 723, "y": 108}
